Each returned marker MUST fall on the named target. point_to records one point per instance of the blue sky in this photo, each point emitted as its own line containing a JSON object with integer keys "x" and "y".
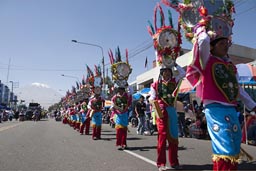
{"x": 35, "y": 37}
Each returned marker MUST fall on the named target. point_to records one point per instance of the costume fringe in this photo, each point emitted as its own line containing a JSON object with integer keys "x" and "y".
{"x": 95, "y": 126}
{"x": 120, "y": 126}
{"x": 234, "y": 159}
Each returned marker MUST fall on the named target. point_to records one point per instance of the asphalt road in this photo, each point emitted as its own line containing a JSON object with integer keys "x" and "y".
{"x": 48, "y": 145}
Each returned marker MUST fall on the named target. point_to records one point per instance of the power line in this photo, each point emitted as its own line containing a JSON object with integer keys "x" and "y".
{"x": 245, "y": 11}
{"x": 132, "y": 53}
{"x": 138, "y": 49}
{"x": 40, "y": 69}
{"x": 142, "y": 50}
{"x": 239, "y": 3}
{"x": 142, "y": 44}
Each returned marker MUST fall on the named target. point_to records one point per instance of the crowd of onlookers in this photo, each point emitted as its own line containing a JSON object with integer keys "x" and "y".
{"x": 248, "y": 125}
{"x": 191, "y": 119}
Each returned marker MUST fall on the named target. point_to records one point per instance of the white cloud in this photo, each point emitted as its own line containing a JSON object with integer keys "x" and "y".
{"x": 40, "y": 85}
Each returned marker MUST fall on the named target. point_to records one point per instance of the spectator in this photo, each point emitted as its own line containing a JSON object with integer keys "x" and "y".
{"x": 250, "y": 128}
{"x": 140, "y": 109}
{"x": 199, "y": 128}
{"x": 252, "y": 133}
{"x": 181, "y": 118}
{"x": 148, "y": 124}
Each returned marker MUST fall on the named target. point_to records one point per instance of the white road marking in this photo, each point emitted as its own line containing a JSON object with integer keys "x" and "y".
{"x": 141, "y": 157}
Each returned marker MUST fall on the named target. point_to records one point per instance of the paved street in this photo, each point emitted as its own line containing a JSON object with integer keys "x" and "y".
{"x": 50, "y": 145}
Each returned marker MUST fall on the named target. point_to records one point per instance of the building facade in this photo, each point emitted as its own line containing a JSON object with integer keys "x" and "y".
{"x": 7, "y": 97}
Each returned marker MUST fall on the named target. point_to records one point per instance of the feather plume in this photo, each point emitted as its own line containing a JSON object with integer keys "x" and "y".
{"x": 126, "y": 55}
{"x": 118, "y": 55}
{"x": 111, "y": 58}
{"x": 99, "y": 69}
{"x": 87, "y": 78}
{"x": 151, "y": 29}
{"x": 173, "y": 4}
{"x": 83, "y": 80}
{"x": 67, "y": 93}
{"x": 155, "y": 18}
{"x": 161, "y": 15}
{"x": 77, "y": 85}
{"x": 170, "y": 18}
{"x": 73, "y": 90}
{"x": 89, "y": 71}
{"x": 96, "y": 70}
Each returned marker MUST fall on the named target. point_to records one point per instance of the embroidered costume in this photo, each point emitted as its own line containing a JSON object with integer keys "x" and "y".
{"x": 121, "y": 101}
{"x": 215, "y": 76}
{"x": 84, "y": 126}
{"x": 86, "y": 92}
{"x": 96, "y": 104}
{"x": 163, "y": 91}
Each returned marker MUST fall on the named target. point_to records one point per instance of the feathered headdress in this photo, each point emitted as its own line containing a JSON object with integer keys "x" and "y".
{"x": 216, "y": 16}
{"x": 90, "y": 75}
{"x": 120, "y": 70}
{"x": 166, "y": 39}
{"x": 85, "y": 87}
{"x": 95, "y": 80}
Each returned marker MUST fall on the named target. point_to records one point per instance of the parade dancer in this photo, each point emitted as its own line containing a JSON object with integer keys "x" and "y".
{"x": 78, "y": 118}
{"x": 216, "y": 80}
{"x": 83, "y": 119}
{"x": 72, "y": 115}
{"x": 96, "y": 103}
{"x": 72, "y": 108}
{"x": 84, "y": 125}
{"x": 163, "y": 91}
{"x": 121, "y": 101}
{"x": 86, "y": 91}
{"x": 64, "y": 116}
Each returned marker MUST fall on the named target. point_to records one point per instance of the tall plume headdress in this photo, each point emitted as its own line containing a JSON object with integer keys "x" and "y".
{"x": 120, "y": 70}
{"x": 95, "y": 80}
{"x": 215, "y": 15}
{"x": 166, "y": 39}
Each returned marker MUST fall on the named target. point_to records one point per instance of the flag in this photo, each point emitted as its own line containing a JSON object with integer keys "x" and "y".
{"x": 146, "y": 62}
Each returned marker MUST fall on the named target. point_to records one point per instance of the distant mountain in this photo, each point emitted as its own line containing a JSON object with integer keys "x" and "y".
{"x": 38, "y": 93}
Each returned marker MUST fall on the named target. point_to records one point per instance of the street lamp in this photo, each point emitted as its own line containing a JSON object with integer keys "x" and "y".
{"x": 12, "y": 85}
{"x": 70, "y": 76}
{"x": 103, "y": 60}
{"x": 11, "y": 98}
